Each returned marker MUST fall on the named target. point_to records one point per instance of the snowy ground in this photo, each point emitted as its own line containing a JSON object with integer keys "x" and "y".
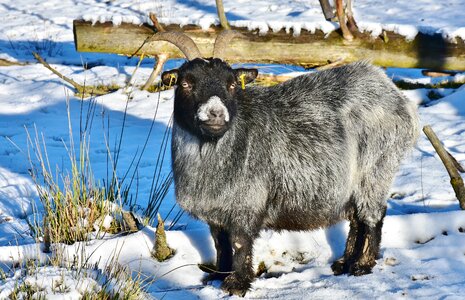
{"x": 423, "y": 247}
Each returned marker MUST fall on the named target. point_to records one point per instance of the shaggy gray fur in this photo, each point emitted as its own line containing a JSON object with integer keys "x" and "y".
{"x": 299, "y": 150}
{"x": 297, "y": 156}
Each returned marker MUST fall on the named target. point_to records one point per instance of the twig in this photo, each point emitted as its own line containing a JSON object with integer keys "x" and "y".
{"x": 158, "y": 67}
{"x": 456, "y": 163}
{"x": 155, "y": 22}
{"x": 79, "y": 88}
{"x": 6, "y": 63}
{"x": 455, "y": 179}
{"x": 331, "y": 64}
{"x": 68, "y": 80}
{"x": 437, "y": 73}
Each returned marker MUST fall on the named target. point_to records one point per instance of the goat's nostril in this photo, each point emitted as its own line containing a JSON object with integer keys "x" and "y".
{"x": 217, "y": 113}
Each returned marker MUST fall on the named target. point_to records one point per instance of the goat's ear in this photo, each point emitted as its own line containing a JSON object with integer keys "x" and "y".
{"x": 169, "y": 78}
{"x": 245, "y": 76}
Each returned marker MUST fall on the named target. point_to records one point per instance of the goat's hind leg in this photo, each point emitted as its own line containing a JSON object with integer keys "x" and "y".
{"x": 366, "y": 257}
{"x": 353, "y": 244}
{"x": 363, "y": 242}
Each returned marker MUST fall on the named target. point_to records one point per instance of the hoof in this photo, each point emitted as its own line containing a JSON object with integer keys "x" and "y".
{"x": 213, "y": 276}
{"x": 359, "y": 270}
{"x": 340, "y": 267}
{"x": 234, "y": 286}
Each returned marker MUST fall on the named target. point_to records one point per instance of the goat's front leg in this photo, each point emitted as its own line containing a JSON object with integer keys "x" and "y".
{"x": 223, "y": 254}
{"x": 240, "y": 280}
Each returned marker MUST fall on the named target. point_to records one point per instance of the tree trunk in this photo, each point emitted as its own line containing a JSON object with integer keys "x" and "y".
{"x": 308, "y": 49}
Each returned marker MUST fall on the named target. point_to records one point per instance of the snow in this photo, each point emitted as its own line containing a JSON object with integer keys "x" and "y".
{"x": 50, "y": 281}
{"x": 444, "y": 17}
{"x": 423, "y": 245}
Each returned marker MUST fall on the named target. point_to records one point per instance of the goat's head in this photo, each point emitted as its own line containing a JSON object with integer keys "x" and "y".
{"x": 205, "y": 101}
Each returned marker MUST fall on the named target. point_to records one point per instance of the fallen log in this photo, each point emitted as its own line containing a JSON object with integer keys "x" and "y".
{"x": 308, "y": 49}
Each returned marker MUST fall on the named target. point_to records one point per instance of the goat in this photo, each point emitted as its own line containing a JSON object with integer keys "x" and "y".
{"x": 300, "y": 155}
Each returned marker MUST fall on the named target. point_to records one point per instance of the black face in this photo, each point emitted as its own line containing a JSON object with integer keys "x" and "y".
{"x": 205, "y": 98}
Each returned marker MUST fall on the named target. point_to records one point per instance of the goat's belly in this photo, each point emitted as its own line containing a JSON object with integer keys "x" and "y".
{"x": 301, "y": 220}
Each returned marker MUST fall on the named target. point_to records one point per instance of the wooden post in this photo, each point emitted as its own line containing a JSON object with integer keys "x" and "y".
{"x": 327, "y": 10}
{"x": 221, "y": 14}
{"x": 341, "y": 16}
{"x": 455, "y": 178}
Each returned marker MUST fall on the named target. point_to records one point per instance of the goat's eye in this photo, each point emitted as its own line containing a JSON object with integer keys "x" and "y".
{"x": 185, "y": 85}
{"x": 232, "y": 86}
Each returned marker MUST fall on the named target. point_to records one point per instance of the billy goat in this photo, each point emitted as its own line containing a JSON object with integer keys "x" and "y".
{"x": 300, "y": 155}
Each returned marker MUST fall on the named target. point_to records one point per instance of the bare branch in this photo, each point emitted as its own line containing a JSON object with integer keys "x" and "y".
{"x": 457, "y": 165}
{"x": 5, "y": 62}
{"x": 79, "y": 88}
{"x": 158, "y": 67}
{"x": 455, "y": 179}
{"x": 331, "y": 64}
{"x": 76, "y": 85}
{"x": 155, "y": 22}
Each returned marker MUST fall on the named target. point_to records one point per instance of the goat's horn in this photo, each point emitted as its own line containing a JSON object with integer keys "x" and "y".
{"x": 180, "y": 40}
{"x": 222, "y": 40}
